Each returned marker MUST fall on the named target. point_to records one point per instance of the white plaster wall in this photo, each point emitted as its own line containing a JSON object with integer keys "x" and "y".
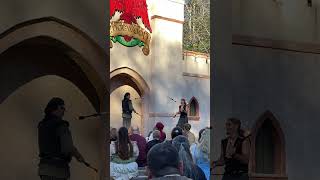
{"x": 87, "y": 15}
{"x": 200, "y": 89}
{"x": 196, "y": 65}
{"x": 167, "y": 8}
{"x": 132, "y": 57}
{"x": 21, "y": 113}
{"x": 167, "y": 79}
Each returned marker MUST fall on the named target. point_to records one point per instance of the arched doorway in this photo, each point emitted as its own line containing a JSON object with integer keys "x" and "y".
{"x": 127, "y": 80}
{"x": 268, "y": 158}
{"x": 40, "y": 59}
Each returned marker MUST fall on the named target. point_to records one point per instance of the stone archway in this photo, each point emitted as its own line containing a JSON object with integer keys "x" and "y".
{"x": 93, "y": 61}
{"x": 126, "y": 76}
{"x": 44, "y": 47}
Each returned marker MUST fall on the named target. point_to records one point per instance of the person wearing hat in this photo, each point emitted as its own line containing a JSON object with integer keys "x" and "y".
{"x": 164, "y": 163}
{"x": 159, "y": 126}
{"x": 177, "y": 131}
{"x": 55, "y": 143}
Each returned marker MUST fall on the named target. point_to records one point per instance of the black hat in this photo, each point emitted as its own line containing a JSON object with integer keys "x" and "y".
{"x": 163, "y": 159}
{"x": 176, "y": 132}
{"x": 53, "y": 105}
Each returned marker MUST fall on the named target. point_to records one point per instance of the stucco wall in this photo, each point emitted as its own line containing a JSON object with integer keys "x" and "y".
{"x": 88, "y": 16}
{"x": 293, "y": 20}
{"x": 23, "y": 108}
{"x": 196, "y": 65}
{"x": 286, "y": 83}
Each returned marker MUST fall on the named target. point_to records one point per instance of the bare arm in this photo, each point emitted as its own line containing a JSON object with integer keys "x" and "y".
{"x": 177, "y": 112}
{"x": 187, "y": 109}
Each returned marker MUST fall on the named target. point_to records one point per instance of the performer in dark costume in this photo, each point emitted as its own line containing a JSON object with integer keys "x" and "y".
{"x": 55, "y": 143}
{"x": 127, "y": 109}
{"x": 235, "y": 150}
{"x": 183, "y": 111}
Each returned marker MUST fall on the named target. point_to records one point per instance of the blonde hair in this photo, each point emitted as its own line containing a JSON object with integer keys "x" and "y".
{"x": 204, "y": 143}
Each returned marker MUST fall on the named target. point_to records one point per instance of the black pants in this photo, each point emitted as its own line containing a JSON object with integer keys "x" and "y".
{"x": 51, "y": 178}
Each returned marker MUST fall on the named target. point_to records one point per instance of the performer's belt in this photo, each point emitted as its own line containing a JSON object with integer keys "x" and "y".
{"x": 57, "y": 161}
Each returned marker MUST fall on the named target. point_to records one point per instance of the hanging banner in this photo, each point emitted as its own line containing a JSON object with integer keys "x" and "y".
{"x": 129, "y": 24}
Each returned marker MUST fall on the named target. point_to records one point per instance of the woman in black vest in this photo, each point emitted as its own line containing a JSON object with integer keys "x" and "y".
{"x": 183, "y": 111}
{"x": 234, "y": 152}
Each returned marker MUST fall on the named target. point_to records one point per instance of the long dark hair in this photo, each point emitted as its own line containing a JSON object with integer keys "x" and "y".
{"x": 200, "y": 133}
{"x": 124, "y": 149}
{"x": 238, "y": 122}
{"x": 184, "y": 107}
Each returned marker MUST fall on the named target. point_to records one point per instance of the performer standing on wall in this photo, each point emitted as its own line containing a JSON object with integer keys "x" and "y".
{"x": 183, "y": 111}
{"x": 127, "y": 109}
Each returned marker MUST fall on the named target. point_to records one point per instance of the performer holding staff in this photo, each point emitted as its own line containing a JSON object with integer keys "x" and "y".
{"x": 183, "y": 111}
{"x": 127, "y": 109}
